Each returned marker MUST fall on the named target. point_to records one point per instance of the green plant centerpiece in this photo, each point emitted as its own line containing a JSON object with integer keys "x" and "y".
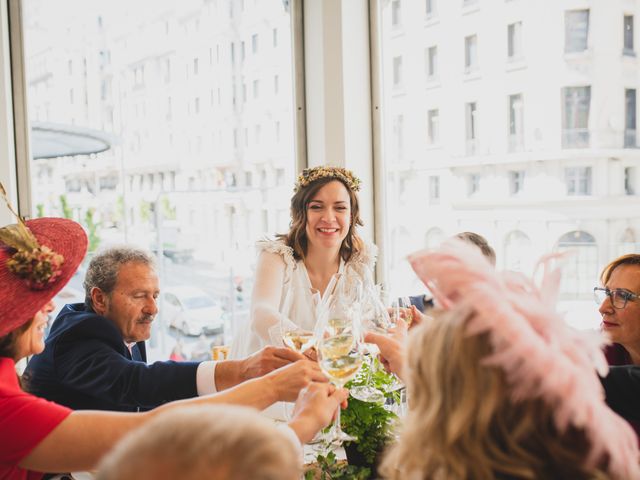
{"x": 372, "y": 424}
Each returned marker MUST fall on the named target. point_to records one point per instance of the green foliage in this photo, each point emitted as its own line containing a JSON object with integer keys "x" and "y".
{"x": 145, "y": 211}
{"x": 329, "y": 468}
{"x": 64, "y": 205}
{"x": 92, "y": 229}
{"x": 39, "y": 210}
{"x": 371, "y": 423}
{"x": 168, "y": 211}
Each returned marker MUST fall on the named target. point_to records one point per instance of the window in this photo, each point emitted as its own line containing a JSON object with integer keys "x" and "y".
{"x": 164, "y": 149}
{"x": 433, "y": 126}
{"x": 628, "y": 48}
{"x": 397, "y": 71}
{"x": 471, "y": 53}
{"x": 514, "y": 41}
{"x": 578, "y": 180}
{"x": 471, "y": 128}
{"x": 430, "y": 8}
{"x": 396, "y": 18}
{"x": 516, "y": 123}
{"x": 432, "y": 62}
{"x": 581, "y": 268}
{"x": 473, "y": 184}
{"x": 434, "y": 190}
{"x": 276, "y": 84}
{"x": 576, "y": 30}
{"x": 630, "y": 118}
{"x": 630, "y": 178}
{"x": 274, "y": 36}
{"x": 516, "y": 181}
{"x": 575, "y": 116}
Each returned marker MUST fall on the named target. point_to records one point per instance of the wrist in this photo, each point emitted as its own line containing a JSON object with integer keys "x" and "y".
{"x": 228, "y": 373}
{"x": 304, "y": 428}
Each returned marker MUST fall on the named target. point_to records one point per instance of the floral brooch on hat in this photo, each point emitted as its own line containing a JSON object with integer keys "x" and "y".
{"x": 310, "y": 175}
{"x": 37, "y": 264}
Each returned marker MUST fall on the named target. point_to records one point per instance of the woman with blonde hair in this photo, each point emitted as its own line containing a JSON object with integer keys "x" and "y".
{"x": 499, "y": 387}
{"x": 295, "y": 269}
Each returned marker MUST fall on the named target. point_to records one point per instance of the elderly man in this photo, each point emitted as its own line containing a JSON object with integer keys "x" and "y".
{"x": 95, "y": 355}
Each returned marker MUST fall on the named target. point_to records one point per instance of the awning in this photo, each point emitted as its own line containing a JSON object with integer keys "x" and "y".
{"x": 51, "y": 140}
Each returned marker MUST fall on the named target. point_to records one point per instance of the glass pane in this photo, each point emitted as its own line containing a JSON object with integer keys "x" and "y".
{"x": 169, "y": 126}
{"x": 525, "y": 149}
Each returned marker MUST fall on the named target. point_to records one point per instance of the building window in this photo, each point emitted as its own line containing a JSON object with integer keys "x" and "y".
{"x": 470, "y": 53}
{"x": 433, "y": 126}
{"x": 575, "y": 117}
{"x": 578, "y": 180}
{"x": 516, "y": 123}
{"x": 576, "y": 30}
{"x": 431, "y": 61}
{"x": 275, "y": 37}
{"x": 630, "y": 181}
{"x": 243, "y": 52}
{"x": 630, "y": 118}
{"x": 516, "y": 181}
{"x": 396, "y": 18}
{"x": 628, "y": 36}
{"x": 276, "y": 84}
{"x": 471, "y": 123}
{"x": 434, "y": 189}
{"x": 256, "y": 89}
{"x": 254, "y": 43}
{"x": 473, "y": 183}
{"x": 581, "y": 268}
{"x": 195, "y": 66}
{"x": 430, "y": 8}
{"x": 397, "y": 71}
{"x": 398, "y": 133}
{"x": 514, "y": 41}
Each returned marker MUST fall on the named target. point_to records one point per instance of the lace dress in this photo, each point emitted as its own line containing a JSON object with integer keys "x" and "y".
{"x": 297, "y": 303}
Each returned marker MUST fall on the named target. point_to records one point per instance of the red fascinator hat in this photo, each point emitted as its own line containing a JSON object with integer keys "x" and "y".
{"x": 37, "y": 259}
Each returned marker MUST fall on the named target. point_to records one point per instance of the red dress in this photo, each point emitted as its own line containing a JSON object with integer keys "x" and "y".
{"x": 25, "y": 421}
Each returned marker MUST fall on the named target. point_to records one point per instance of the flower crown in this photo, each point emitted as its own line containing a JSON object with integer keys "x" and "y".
{"x": 541, "y": 356}
{"x": 36, "y": 264}
{"x": 310, "y": 175}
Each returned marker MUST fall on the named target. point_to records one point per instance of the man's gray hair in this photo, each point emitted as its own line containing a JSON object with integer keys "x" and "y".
{"x": 104, "y": 267}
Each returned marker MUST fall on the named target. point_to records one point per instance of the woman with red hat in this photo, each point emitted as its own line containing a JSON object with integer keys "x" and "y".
{"x": 37, "y": 258}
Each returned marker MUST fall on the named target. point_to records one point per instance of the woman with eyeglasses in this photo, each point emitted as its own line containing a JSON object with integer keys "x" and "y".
{"x": 619, "y": 300}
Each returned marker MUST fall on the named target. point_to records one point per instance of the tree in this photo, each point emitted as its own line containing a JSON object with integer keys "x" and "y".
{"x": 66, "y": 210}
{"x": 92, "y": 229}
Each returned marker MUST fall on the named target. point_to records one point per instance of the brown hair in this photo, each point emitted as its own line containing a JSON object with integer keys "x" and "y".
{"x": 296, "y": 238}
{"x": 8, "y": 342}
{"x": 629, "y": 259}
{"x": 480, "y": 242}
{"x": 463, "y": 422}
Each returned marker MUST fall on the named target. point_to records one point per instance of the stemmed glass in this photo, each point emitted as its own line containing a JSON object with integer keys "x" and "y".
{"x": 338, "y": 347}
{"x": 374, "y": 318}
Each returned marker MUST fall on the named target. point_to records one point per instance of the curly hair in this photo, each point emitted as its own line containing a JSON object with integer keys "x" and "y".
{"x": 463, "y": 422}
{"x": 296, "y": 238}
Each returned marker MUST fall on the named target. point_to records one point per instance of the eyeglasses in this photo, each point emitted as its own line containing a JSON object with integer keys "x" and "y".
{"x": 619, "y": 298}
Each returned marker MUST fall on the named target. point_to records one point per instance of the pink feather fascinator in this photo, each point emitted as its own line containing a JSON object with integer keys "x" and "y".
{"x": 540, "y": 354}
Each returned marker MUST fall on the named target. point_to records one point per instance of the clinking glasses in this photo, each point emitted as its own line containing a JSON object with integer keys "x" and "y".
{"x": 619, "y": 298}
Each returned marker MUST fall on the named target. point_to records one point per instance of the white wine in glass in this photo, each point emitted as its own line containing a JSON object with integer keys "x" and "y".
{"x": 299, "y": 340}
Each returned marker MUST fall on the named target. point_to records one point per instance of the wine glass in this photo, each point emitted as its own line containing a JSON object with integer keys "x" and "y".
{"x": 295, "y": 337}
{"x": 401, "y": 309}
{"x": 339, "y": 353}
{"x": 374, "y": 318}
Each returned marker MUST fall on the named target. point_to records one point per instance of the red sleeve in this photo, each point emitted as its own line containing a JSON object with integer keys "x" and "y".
{"x": 25, "y": 421}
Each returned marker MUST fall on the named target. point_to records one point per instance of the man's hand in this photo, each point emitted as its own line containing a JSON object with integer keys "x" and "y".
{"x": 315, "y": 408}
{"x": 391, "y": 347}
{"x": 267, "y": 360}
{"x": 288, "y": 381}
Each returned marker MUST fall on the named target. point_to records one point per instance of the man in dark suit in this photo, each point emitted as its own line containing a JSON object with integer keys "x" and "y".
{"x": 95, "y": 355}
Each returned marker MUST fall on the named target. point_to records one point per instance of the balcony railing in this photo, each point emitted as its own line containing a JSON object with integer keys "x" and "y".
{"x": 575, "y": 138}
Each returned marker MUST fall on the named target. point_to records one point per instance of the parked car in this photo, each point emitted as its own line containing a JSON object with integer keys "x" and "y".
{"x": 192, "y": 311}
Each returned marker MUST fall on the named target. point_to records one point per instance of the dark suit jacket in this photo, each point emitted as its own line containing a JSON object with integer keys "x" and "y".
{"x": 86, "y": 365}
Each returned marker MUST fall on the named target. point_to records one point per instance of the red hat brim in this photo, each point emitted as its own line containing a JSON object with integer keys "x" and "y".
{"x": 18, "y": 302}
